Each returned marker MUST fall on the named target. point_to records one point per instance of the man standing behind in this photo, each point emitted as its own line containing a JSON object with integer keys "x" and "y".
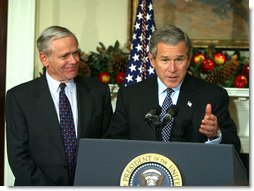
{"x": 202, "y": 114}
{"x": 45, "y": 117}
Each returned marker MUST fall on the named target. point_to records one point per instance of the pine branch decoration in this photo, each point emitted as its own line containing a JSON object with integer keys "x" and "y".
{"x": 224, "y": 75}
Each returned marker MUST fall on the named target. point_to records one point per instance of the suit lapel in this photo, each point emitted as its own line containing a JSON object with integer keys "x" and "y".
{"x": 150, "y": 95}
{"x": 47, "y": 111}
{"x": 84, "y": 102}
{"x": 186, "y": 104}
{"x": 185, "y": 101}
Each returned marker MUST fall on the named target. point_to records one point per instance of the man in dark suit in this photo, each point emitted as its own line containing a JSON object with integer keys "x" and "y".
{"x": 36, "y": 152}
{"x": 202, "y": 115}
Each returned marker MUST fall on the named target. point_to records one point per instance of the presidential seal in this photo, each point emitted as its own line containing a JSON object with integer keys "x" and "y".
{"x": 151, "y": 169}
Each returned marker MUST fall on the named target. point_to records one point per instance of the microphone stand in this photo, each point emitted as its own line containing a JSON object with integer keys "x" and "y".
{"x": 158, "y": 125}
{"x": 155, "y": 124}
{"x": 158, "y": 129}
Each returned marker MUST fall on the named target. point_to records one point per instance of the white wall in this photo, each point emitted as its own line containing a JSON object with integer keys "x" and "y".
{"x": 92, "y": 21}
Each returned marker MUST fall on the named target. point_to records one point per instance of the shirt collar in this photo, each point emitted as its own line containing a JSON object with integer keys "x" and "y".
{"x": 54, "y": 84}
{"x": 162, "y": 87}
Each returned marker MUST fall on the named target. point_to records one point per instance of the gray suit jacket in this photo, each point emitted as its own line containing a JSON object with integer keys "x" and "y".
{"x": 134, "y": 101}
{"x": 34, "y": 143}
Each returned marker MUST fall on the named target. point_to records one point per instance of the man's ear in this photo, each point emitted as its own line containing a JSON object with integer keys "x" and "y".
{"x": 189, "y": 59}
{"x": 152, "y": 59}
{"x": 44, "y": 59}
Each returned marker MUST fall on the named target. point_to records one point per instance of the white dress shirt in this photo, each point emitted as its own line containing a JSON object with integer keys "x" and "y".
{"x": 71, "y": 93}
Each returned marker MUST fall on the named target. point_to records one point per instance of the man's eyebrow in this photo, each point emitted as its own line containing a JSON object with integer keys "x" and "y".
{"x": 177, "y": 56}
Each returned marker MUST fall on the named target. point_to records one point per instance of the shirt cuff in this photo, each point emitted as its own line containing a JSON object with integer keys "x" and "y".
{"x": 215, "y": 141}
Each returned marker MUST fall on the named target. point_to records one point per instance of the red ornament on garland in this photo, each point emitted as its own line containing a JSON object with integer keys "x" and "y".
{"x": 207, "y": 65}
{"x": 198, "y": 58}
{"x": 240, "y": 81}
{"x": 120, "y": 77}
{"x": 104, "y": 77}
{"x": 246, "y": 70}
{"x": 219, "y": 58}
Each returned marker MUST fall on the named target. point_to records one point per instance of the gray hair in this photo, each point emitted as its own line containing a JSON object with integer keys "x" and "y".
{"x": 52, "y": 33}
{"x": 170, "y": 35}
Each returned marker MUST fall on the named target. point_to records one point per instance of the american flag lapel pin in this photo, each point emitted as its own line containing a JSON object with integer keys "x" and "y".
{"x": 189, "y": 103}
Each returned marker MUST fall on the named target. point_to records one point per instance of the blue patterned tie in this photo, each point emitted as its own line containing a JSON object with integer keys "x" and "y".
{"x": 165, "y": 133}
{"x": 67, "y": 130}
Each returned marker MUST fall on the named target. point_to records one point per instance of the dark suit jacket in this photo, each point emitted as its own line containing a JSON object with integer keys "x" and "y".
{"x": 34, "y": 143}
{"x": 134, "y": 101}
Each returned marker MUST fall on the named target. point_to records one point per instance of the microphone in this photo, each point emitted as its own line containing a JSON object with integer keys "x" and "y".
{"x": 152, "y": 117}
{"x": 171, "y": 112}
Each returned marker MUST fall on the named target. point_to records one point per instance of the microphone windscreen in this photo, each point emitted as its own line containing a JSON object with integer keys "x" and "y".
{"x": 172, "y": 110}
{"x": 155, "y": 110}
